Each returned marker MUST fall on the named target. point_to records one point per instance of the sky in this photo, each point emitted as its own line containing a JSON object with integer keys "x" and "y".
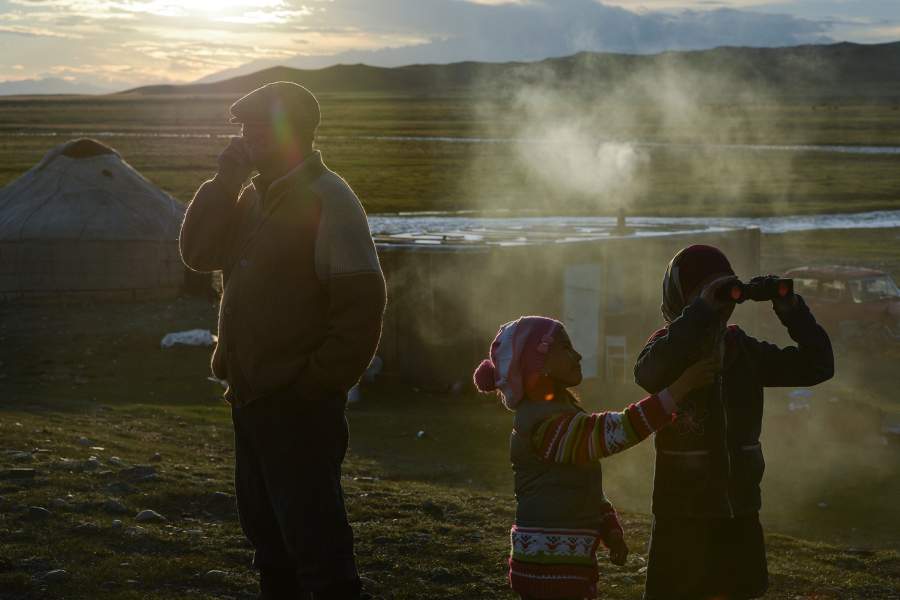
{"x": 118, "y": 44}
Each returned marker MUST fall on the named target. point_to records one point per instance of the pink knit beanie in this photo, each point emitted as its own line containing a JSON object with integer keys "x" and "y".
{"x": 516, "y": 358}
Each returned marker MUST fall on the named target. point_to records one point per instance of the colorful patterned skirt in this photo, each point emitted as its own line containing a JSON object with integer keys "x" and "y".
{"x": 554, "y": 563}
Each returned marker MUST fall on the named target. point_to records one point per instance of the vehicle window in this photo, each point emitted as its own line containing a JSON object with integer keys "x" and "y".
{"x": 832, "y": 290}
{"x": 875, "y": 288}
{"x": 807, "y": 287}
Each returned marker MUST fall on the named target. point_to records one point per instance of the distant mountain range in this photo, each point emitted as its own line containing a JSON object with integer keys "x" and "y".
{"x": 816, "y": 71}
{"x": 493, "y": 31}
{"x": 49, "y": 85}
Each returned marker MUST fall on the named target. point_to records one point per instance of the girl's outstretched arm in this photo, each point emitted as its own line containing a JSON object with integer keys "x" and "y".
{"x": 580, "y": 437}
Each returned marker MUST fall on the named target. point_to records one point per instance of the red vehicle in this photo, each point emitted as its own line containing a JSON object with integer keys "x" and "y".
{"x": 851, "y": 302}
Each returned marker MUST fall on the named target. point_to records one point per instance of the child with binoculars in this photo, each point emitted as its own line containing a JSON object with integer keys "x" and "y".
{"x": 707, "y": 541}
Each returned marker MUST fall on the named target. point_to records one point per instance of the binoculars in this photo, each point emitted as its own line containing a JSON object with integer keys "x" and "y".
{"x": 758, "y": 289}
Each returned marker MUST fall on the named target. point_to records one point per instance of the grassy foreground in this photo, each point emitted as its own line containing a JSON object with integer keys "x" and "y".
{"x": 415, "y": 539}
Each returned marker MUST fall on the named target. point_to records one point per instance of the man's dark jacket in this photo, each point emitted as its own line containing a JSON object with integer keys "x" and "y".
{"x": 304, "y": 293}
{"x": 709, "y": 463}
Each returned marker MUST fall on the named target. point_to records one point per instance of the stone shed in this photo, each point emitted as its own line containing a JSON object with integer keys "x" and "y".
{"x": 449, "y": 291}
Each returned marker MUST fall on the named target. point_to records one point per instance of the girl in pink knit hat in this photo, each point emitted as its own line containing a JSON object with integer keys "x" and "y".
{"x": 562, "y": 514}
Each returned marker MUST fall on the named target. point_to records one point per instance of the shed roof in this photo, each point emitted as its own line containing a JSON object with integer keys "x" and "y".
{"x": 492, "y": 235}
{"x": 84, "y": 190}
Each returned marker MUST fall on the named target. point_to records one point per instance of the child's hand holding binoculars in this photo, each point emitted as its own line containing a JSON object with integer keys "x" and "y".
{"x": 729, "y": 290}
{"x": 698, "y": 375}
{"x": 785, "y": 299}
{"x": 711, "y": 294}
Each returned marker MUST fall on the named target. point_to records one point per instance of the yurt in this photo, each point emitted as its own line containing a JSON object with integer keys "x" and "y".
{"x": 85, "y": 222}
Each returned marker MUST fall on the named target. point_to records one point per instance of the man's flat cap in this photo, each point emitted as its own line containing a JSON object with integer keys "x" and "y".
{"x": 276, "y": 101}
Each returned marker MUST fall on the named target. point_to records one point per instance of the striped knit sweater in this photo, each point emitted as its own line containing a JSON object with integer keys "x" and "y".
{"x": 556, "y": 561}
{"x": 581, "y": 438}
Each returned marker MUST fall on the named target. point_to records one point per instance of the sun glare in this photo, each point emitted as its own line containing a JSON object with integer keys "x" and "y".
{"x": 211, "y": 7}
{"x": 229, "y": 5}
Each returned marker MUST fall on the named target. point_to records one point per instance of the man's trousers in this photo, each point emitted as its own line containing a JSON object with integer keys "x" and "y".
{"x": 288, "y": 453}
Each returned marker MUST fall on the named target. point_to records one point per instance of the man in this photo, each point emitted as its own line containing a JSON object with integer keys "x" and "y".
{"x": 299, "y": 321}
{"x": 707, "y": 541}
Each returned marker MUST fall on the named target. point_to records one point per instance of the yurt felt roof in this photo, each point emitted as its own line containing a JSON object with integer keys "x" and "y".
{"x": 83, "y": 190}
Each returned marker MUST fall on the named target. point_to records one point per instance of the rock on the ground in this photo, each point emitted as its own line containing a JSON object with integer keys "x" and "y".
{"x": 83, "y": 441}
{"x": 441, "y": 574}
{"x": 22, "y": 456}
{"x": 55, "y": 575}
{"x": 59, "y": 503}
{"x": 91, "y": 464}
{"x": 157, "y": 457}
{"x": 63, "y": 463}
{"x": 215, "y": 575}
{"x": 116, "y": 524}
{"x": 149, "y": 516}
{"x": 38, "y": 512}
{"x": 17, "y": 473}
{"x": 115, "y": 461}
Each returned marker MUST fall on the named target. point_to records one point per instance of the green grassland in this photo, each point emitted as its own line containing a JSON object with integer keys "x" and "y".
{"x": 431, "y": 513}
{"x": 416, "y": 174}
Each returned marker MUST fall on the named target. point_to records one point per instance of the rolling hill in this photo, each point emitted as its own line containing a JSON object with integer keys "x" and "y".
{"x": 820, "y": 72}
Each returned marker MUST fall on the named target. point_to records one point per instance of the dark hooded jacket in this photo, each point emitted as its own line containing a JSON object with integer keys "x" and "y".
{"x": 709, "y": 463}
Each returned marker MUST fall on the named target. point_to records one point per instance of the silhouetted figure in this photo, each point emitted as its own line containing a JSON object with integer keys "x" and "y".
{"x": 299, "y": 321}
{"x": 707, "y": 541}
